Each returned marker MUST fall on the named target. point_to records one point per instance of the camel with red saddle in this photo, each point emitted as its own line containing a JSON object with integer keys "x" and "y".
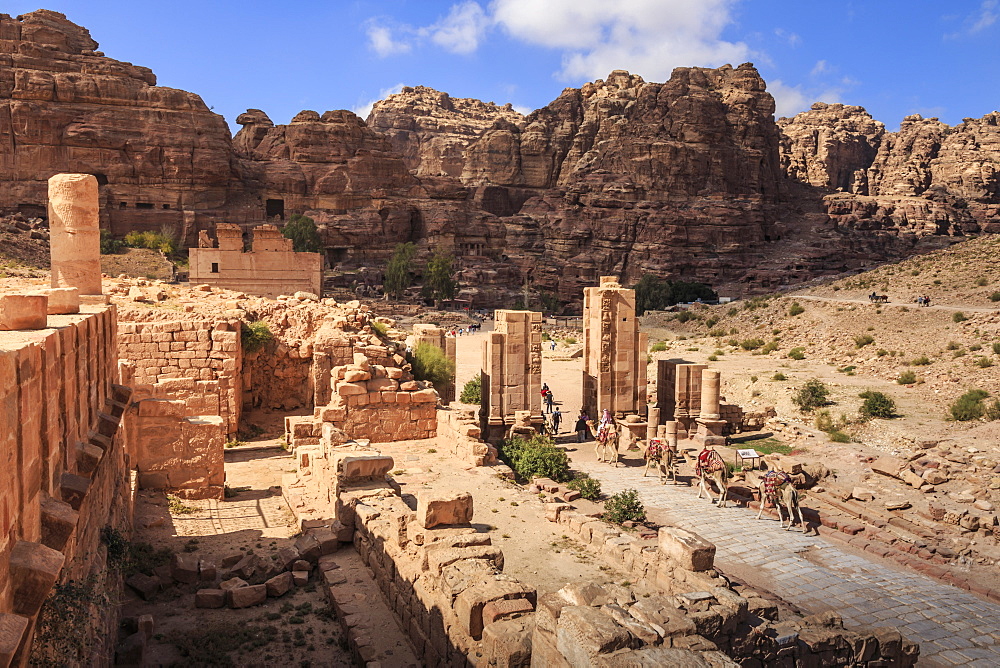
{"x": 664, "y": 457}
{"x": 776, "y": 487}
{"x": 711, "y": 467}
{"x": 611, "y": 440}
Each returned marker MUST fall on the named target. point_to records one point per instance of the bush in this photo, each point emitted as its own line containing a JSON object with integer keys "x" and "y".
{"x": 110, "y": 245}
{"x": 713, "y": 358}
{"x": 472, "y": 393}
{"x": 995, "y": 297}
{"x": 982, "y": 282}
{"x": 255, "y": 336}
{"x": 658, "y": 347}
{"x": 993, "y": 410}
{"x": 797, "y": 353}
{"x": 952, "y": 345}
{"x": 769, "y": 347}
{"x": 839, "y": 437}
{"x": 907, "y": 378}
{"x": 430, "y": 363}
{"x": 751, "y": 344}
{"x": 824, "y": 421}
{"x": 984, "y": 362}
{"x": 863, "y": 340}
{"x": 569, "y": 340}
{"x": 920, "y": 361}
{"x": 303, "y": 233}
{"x": 877, "y": 405}
{"x": 958, "y": 316}
{"x": 537, "y": 457}
{"x": 380, "y": 328}
{"x": 712, "y": 322}
{"x": 655, "y": 294}
{"x": 811, "y": 395}
{"x": 160, "y": 241}
{"x": 624, "y": 506}
{"x": 589, "y": 488}
{"x": 996, "y": 348}
{"x": 795, "y": 309}
{"x": 779, "y": 376}
{"x": 685, "y": 316}
{"x": 969, "y": 406}
{"x": 398, "y": 276}
{"x": 546, "y": 337}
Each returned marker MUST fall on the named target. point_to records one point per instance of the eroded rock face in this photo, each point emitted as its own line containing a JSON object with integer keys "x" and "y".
{"x": 160, "y": 155}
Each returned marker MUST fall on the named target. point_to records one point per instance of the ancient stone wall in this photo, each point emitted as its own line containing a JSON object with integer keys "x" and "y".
{"x": 270, "y": 269}
{"x": 66, "y": 464}
{"x": 188, "y": 386}
{"x": 459, "y": 432}
{"x": 614, "y": 352}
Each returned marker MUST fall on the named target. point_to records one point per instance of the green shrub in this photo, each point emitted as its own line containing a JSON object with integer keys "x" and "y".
{"x": 839, "y": 437}
{"x": 536, "y": 457}
{"x": 769, "y": 347}
{"x": 877, "y": 405}
{"x": 255, "y": 336}
{"x": 862, "y": 340}
{"x": 779, "y": 376}
{"x": 995, "y": 297}
{"x": 811, "y": 395}
{"x": 589, "y": 488}
{"x": 110, "y": 245}
{"x": 824, "y": 421}
{"x": 751, "y": 344}
{"x": 984, "y": 362}
{"x": 161, "y": 241}
{"x": 907, "y": 378}
{"x": 993, "y": 410}
{"x": 958, "y": 316}
{"x": 379, "y": 328}
{"x": 975, "y": 347}
{"x": 713, "y": 358}
{"x": 795, "y": 309}
{"x": 624, "y": 506}
{"x": 797, "y": 353}
{"x": 969, "y": 406}
{"x": 920, "y": 361}
{"x": 430, "y": 363}
{"x": 712, "y": 322}
{"x": 546, "y": 337}
{"x": 569, "y": 340}
{"x": 952, "y": 345}
{"x": 685, "y": 316}
{"x": 718, "y": 332}
{"x": 472, "y": 393}
{"x": 982, "y": 282}
{"x": 303, "y": 233}
{"x": 658, "y": 347}
{"x": 882, "y": 352}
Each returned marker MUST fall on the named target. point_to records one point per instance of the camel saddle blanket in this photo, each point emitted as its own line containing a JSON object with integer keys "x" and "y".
{"x": 654, "y": 450}
{"x": 709, "y": 461}
{"x": 774, "y": 480}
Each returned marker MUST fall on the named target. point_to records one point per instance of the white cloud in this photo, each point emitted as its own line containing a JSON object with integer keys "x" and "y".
{"x": 646, "y": 37}
{"x": 985, "y": 16}
{"x": 820, "y": 67}
{"x": 365, "y": 108}
{"x": 524, "y": 111}
{"x": 380, "y": 39}
{"x": 790, "y": 100}
{"x": 460, "y": 31}
{"x": 792, "y": 38}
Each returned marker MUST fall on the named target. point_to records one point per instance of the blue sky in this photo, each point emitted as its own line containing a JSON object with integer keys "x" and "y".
{"x": 892, "y": 57}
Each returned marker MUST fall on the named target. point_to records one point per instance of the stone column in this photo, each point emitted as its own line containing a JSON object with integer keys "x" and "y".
{"x": 710, "y": 380}
{"x": 652, "y": 422}
{"x": 75, "y": 234}
{"x": 671, "y": 435}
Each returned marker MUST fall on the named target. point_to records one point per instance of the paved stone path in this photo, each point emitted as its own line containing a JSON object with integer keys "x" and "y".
{"x": 952, "y": 626}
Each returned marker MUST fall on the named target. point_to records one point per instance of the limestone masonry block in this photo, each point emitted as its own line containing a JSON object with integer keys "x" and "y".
{"x": 74, "y": 227}
{"x": 12, "y": 628}
{"x": 362, "y": 467}
{"x": 279, "y": 585}
{"x": 61, "y": 300}
{"x": 34, "y": 569}
{"x": 210, "y": 598}
{"x": 58, "y": 522}
{"x": 437, "y": 509}
{"x": 687, "y": 548}
{"x": 470, "y": 603}
{"x": 23, "y": 312}
{"x": 244, "y": 597}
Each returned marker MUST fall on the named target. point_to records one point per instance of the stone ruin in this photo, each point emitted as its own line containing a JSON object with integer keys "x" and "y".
{"x": 269, "y": 269}
{"x": 511, "y": 372}
{"x": 689, "y": 405}
{"x": 437, "y": 337}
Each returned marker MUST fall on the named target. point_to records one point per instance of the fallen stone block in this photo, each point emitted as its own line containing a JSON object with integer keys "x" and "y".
{"x": 911, "y": 478}
{"x": 12, "y": 629}
{"x": 279, "y": 585}
{"x": 210, "y": 598}
{"x": 131, "y": 651}
{"x": 469, "y": 604}
{"x": 888, "y": 466}
{"x": 207, "y": 572}
{"x": 184, "y": 568}
{"x": 308, "y": 547}
{"x": 246, "y": 568}
{"x": 233, "y": 583}
{"x": 437, "y": 509}
{"x": 146, "y": 586}
{"x": 496, "y": 611}
{"x": 687, "y": 549}
{"x": 300, "y": 578}
{"x": 439, "y": 558}
{"x": 34, "y": 569}
{"x": 344, "y": 534}
{"x": 285, "y": 558}
{"x": 23, "y": 312}
{"x": 507, "y": 643}
{"x": 244, "y": 597}
{"x": 584, "y": 634}
{"x": 301, "y": 565}
{"x": 363, "y": 467}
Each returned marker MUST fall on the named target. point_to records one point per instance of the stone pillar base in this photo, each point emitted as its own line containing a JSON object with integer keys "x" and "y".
{"x": 710, "y": 432}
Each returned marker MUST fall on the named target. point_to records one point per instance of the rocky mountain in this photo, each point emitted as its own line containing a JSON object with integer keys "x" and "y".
{"x": 691, "y": 178}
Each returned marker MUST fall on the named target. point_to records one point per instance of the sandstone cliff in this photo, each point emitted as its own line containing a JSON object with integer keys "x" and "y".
{"x": 161, "y": 156}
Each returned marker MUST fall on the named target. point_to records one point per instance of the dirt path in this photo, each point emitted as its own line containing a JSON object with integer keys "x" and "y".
{"x": 941, "y": 307}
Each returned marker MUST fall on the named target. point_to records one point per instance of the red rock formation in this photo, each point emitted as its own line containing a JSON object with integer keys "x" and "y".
{"x": 161, "y": 156}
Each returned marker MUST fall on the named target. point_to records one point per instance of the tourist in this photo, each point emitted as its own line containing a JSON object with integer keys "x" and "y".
{"x": 556, "y": 419}
{"x": 553, "y": 345}
{"x": 581, "y": 428}
{"x": 549, "y": 401}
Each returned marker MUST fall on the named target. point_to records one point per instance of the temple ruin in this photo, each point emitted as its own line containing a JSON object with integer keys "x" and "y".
{"x": 270, "y": 268}
{"x": 511, "y": 371}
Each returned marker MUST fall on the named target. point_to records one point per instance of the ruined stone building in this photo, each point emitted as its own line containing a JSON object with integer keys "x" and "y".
{"x": 270, "y": 268}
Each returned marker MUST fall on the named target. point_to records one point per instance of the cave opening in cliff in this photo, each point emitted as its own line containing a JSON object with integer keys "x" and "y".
{"x": 275, "y": 207}
{"x": 144, "y": 205}
{"x": 102, "y": 179}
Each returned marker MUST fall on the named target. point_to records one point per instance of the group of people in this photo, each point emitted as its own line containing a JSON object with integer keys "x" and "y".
{"x": 923, "y": 300}
{"x": 471, "y": 329}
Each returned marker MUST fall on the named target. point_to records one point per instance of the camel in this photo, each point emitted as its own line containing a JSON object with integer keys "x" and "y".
{"x": 664, "y": 457}
{"x": 776, "y": 487}
{"x": 712, "y": 468}
{"x": 607, "y": 442}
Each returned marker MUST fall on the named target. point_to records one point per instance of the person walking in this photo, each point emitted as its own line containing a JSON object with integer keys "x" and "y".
{"x": 556, "y": 420}
{"x": 549, "y": 401}
{"x": 581, "y": 428}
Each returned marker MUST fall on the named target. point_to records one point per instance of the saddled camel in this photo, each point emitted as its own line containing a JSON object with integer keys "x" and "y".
{"x": 776, "y": 487}
{"x": 664, "y": 457}
{"x": 608, "y": 441}
{"x": 714, "y": 469}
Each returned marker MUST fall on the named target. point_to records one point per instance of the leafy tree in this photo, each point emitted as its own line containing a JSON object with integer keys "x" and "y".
{"x": 430, "y": 363}
{"x": 653, "y": 293}
{"x": 438, "y": 283}
{"x": 811, "y": 395}
{"x": 302, "y": 231}
{"x": 472, "y": 393}
{"x": 397, "y": 272}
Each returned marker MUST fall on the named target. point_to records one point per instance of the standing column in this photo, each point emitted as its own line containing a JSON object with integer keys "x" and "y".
{"x": 652, "y": 422}
{"x": 671, "y": 435}
{"x": 75, "y": 234}
{"x": 710, "y": 380}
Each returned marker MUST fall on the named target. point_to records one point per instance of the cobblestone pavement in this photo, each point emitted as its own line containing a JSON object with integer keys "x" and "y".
{"x": 952, "y": 626}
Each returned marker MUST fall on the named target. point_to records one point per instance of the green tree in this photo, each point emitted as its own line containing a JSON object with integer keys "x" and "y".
{"x": 438, "y": 282}
{"x": 430, "y": 363}
{"x": 653, "y": 293}
{"x": 397, "y": 272}
{"x": 302, "y": 231}
{"x": 472, "y": 393}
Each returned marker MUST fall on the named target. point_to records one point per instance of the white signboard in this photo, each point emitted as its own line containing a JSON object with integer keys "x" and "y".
{"x": 748, "y": 454}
